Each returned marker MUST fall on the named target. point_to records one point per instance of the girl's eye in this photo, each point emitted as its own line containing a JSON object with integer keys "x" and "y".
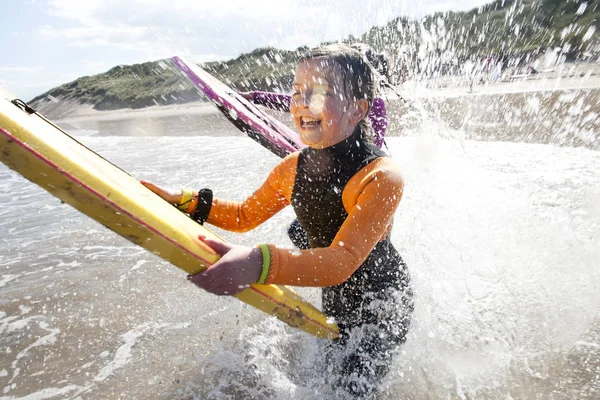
{"x": 296, "y": 95}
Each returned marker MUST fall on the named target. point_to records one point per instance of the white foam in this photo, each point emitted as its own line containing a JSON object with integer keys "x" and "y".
{"x": 138, "y": 265}
{"x": 72, "y": 264}
{"x": 123, "y": 354}
{"x": 588, "y": 344}
{"x": 46, "y": 393}
{"x": 24, "y": 309}
{"x": 7, "y": 278}
{"x": 47, "y": 340}
{"x": 9, "y": 326}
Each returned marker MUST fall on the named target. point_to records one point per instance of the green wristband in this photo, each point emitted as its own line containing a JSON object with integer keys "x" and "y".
{"x": 266, "y": 253}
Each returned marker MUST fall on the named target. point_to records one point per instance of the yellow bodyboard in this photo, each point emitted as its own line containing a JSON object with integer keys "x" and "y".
{"x": 47, "y": 156}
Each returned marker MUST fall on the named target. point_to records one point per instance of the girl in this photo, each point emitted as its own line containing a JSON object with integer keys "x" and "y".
{"x": 377, "y": 116}
{"x": 345, "y": 192}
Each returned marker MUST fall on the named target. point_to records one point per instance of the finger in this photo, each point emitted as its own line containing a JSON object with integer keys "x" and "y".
{"x": 208, "y": 276}
{"x": 207, "y": 280}
{"x": 219, "y": 246}
{"x": 161, "y": 192}
{"x": 224, "y": 287}
{"x": 201, "y": 281}
{"x": 228, "y": 290}
{"x": 149, "y": 185}
{"x": 211, "y": 286}
{"x": 169, "y": 196}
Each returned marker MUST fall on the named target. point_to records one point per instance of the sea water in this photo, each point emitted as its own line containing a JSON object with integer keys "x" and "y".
{"x": 501, "y": 238}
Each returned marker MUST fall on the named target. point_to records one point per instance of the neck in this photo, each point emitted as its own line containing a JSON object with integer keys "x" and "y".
{"x": 354, "y": 134}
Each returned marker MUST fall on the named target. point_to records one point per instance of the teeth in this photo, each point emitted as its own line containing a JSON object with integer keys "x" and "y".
{"x": 309, "y": 119}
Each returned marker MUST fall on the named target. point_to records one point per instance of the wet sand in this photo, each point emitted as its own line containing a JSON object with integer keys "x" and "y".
{"x": 543, "y": 108}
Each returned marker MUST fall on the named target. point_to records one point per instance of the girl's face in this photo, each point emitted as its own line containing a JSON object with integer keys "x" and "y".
{"x": 322, "y": 112}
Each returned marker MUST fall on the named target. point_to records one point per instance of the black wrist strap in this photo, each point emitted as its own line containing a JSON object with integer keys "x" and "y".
{"x": 202, "y": 210}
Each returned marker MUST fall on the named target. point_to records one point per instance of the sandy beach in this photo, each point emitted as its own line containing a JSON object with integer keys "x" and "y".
{"x": 541, "y": 83}
{"x": 75, "y": 112}
{"x": 565, "y": 77}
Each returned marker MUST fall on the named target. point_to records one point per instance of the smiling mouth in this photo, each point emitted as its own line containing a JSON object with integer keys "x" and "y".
{"x": 309, "y": 123}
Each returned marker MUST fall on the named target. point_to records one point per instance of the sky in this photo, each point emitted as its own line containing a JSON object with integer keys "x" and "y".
{"x": 46, "y": 43}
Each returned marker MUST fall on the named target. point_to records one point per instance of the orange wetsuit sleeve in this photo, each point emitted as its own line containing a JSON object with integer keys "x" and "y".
{"x": 274, "y": 194}
{"x": 370, "y": 198}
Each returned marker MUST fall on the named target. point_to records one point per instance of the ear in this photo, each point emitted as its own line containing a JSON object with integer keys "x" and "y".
{"x": 361, "y": 108}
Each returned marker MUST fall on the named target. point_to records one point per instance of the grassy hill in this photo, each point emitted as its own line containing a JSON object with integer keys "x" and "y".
{"x": 510, "y": 29}
{"x": 435, "y": 45}
{"x": 159, "y": 82}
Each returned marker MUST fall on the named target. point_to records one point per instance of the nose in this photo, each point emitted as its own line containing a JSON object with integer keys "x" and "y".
{"x": 301, "y": 99}
{"x": 305, "y": 98}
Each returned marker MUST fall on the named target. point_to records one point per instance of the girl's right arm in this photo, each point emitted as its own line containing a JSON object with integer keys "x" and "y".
{"x": 241, "y": 216}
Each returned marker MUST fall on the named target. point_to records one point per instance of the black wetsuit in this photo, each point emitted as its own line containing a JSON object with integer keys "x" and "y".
{"x": 373, "y": 307}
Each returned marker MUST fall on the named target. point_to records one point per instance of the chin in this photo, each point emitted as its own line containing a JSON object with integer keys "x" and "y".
{"x": 311, "y": 138}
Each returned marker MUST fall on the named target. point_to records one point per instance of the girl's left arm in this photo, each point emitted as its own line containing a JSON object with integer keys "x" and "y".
{"x": 270, "y": 198}
{"x": 378, "y": 117}
{"x": 275, "y": 101}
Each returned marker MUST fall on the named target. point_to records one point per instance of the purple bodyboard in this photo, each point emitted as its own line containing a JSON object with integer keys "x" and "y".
{"x": 247, "y": 117}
